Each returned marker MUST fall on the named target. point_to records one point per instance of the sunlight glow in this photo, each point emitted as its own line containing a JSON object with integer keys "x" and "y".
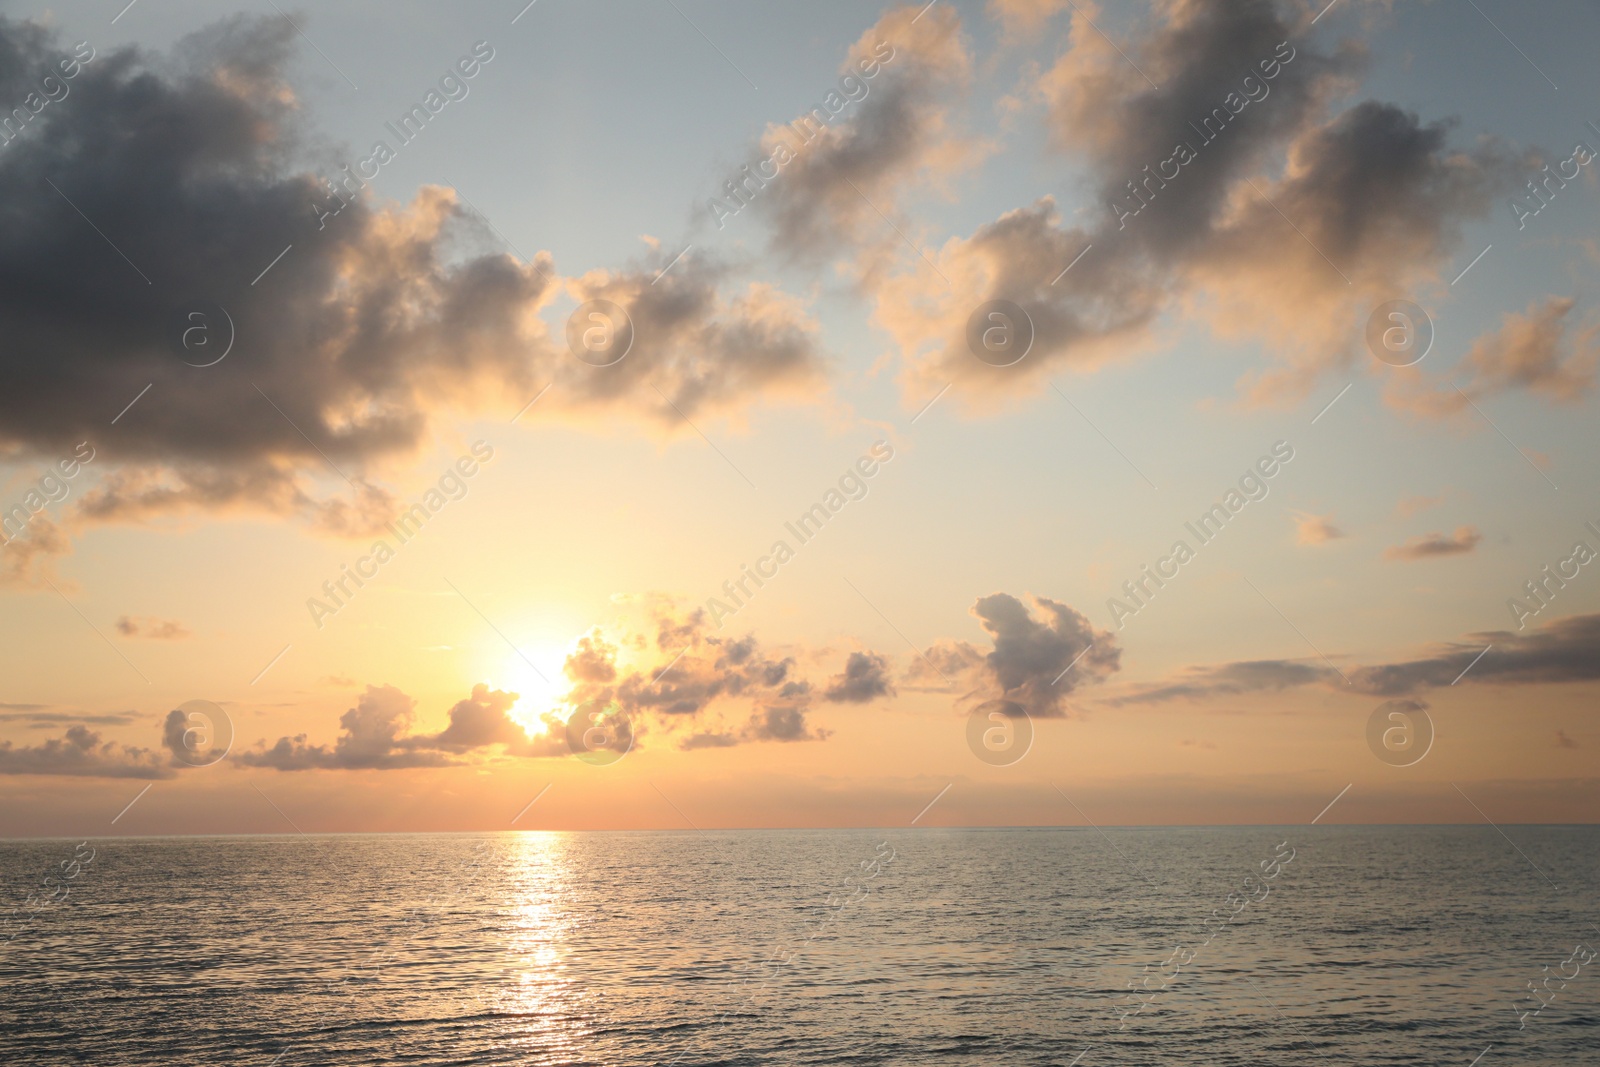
{"x": 536, "y": 695}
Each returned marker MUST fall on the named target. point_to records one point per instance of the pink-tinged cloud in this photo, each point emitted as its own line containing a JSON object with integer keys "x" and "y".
{"x": 1022, "y": 17}
{"x": 1315, "y": 529}
{"x": 1540, "y": 350}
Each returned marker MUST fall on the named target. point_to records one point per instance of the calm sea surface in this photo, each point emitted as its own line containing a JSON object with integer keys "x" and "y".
{"x": 1345, "y": 946}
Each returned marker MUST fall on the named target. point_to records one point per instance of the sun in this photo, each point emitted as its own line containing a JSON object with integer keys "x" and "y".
{"x": 539, "y": 684}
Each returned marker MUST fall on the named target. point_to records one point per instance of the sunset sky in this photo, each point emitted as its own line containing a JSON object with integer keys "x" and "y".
{"x": 585, "y": 523}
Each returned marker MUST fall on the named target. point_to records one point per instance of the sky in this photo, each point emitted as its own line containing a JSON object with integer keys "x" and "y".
{"x": 685, "y": 414}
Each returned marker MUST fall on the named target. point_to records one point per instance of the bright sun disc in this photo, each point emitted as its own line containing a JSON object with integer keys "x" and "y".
{"x": 538, "y": 690}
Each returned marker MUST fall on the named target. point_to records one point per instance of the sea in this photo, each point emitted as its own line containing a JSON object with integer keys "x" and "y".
{"x": 1077, "y": 947}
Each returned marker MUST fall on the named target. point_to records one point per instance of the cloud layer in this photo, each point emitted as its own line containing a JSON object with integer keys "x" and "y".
{"x": 1227, "y": 188}
{"x": 378, "y": 322}
{"x": 377, "y": 736}
{"x": 668, "y": 670}
{"x": 1564, "y": 650}
{"x": 81, "y": 752}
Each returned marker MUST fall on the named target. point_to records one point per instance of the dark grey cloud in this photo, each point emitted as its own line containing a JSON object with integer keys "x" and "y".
{"x": 681, "y": 675}
{"x": 688, "y": 667}
{"x": 380, "y": 320}
{"x": 1200, "y": 54}
{"x": 695, "y": 342}
{"x": 152, "y": 629}
{"x": 373, "y": 738}
{"x": 783, "y": 723}
{"x": 173, "y": 729}
{"x": 1230, "y": 679}
{"x": 865, "y": 678}
{"x": 46, "y": 720}
{"x": 1561, "y": 651}
{"x": 856, "y": 152}
{"x": 82, "y": 753}
{"x": 1028, "y": 666}
{"x": 1374, "y": 189}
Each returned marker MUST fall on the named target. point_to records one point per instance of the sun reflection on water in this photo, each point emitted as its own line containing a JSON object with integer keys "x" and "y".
{"x": 541, "y": 1010}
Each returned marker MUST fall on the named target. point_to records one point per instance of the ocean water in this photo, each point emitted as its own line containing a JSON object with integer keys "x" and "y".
{"x": 1362, "y": 945}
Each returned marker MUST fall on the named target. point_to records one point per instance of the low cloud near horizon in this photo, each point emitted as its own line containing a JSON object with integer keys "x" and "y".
{"x": 1560, "y": 651}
